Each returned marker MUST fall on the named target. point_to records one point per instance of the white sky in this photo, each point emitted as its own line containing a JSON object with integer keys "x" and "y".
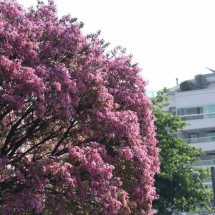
{"x": 169, "y": 39}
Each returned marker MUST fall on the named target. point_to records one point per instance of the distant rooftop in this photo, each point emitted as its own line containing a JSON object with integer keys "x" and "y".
{"x": 200, "y": 82}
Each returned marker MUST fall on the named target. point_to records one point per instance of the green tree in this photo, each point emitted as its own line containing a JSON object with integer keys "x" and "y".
{"x": 201, "y": 82}
{"x": 186, "y": 85}
{"x": 176, "y": 187}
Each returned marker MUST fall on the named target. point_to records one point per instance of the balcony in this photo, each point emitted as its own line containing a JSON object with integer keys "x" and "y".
{"x": 199, "y": 140}
{"x": 205, "y": 143}
{"x": 204, "y": 163}
{"x": 198, "y": 116}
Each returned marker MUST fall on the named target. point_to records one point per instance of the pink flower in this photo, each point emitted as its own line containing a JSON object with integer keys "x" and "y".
{"x": 57, "y": 86}
{"x": 77, "y": 133}
{"x": 126, "y": 153}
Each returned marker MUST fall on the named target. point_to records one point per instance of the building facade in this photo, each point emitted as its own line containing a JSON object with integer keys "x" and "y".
{"x": 196, "y": 106}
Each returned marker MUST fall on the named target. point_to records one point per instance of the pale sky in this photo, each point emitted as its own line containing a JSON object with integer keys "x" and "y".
{"x": 168, "y": 38}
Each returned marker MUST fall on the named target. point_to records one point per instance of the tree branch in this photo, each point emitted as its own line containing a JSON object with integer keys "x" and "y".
{"x": 65, "y": 135}
{"x": 33, "y": 147}
{"x": 12, "y": 131}
{"x": 29, "y": 133}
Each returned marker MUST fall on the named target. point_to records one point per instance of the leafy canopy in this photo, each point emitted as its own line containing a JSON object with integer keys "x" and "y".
{"x": 76, "y": 130}
{"x": 176, "y": 186}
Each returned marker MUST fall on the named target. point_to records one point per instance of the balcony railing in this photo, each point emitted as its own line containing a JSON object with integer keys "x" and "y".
{"x": 200, "y": 140}
{"x": 204, "y": 163}
{"x": 198, "y": 116}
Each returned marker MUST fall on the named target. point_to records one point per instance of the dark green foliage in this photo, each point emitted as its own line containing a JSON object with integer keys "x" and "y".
{"x": 201, "y": 82}
{"x": 176, "y": 187}
{"x": 186, "y": 85}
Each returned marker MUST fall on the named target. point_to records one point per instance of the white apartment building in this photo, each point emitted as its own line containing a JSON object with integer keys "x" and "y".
{"x": 197, "y": 108}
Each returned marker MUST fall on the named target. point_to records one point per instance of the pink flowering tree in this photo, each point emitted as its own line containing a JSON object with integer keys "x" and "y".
{"x": 76, "y": 131}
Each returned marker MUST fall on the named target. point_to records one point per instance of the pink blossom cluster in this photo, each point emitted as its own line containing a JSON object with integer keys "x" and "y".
{"x": 77, "y": 134}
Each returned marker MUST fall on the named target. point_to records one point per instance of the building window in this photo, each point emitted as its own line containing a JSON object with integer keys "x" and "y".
{"x": 210, "y": 135}
{"x": 193, "y": 113}
{"x": 172, "y": 110}
{"x": 209, "y": 111}
{"x": 193, "y": 137}
{"x": 190, "y": 111}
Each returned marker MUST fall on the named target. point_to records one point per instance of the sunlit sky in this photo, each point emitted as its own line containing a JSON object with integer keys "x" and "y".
{"x": 169, "y": 39}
